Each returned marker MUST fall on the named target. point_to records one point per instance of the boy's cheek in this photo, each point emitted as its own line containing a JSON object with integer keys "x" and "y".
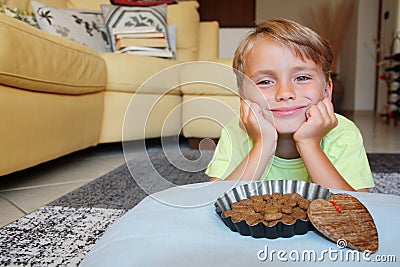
{"x": 318, "y": 98}
{"x": 257, "y": 97}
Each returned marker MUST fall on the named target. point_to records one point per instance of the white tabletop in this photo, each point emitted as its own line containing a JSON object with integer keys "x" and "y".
{"x": 179, "y": 227}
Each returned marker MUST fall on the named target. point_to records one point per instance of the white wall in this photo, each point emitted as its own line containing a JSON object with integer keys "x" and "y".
{"x": 229, "y": 39}
{"x": 364, "y": 94}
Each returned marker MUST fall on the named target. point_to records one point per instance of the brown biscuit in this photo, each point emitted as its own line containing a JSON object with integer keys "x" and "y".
{"x": 296, "y": 196}
{"x": 247, "y": 201}
{"x": 242, "y": 203}
{"x": 291, "y": 202}
{"x": 266, "y": 197}
{"x": 272, "y": 216}
{"x": 257, "y": 198}
{"x": 270, "y": 209}
{"x": 238, "y": 205}
{"x": 297, "y": 209}
{"x": 245, "y": 210}
{"x": 299, "y": 213}
{"x": 259, "y": 206}
{"x": 287, "y": 219}
{"x": 276, "y": 195}
{"x": 303, "y": 203}
{"x": 254, "y": 219}
{"x": 271, "y": 223}
{"x": 264, "y": 209}
{"x": 286, "y": 209}
{"x": 287, "y": 196}
{"x": 228, "y": 213}
{"x": 238, "y": 217}
{"x": 275, "y": 203}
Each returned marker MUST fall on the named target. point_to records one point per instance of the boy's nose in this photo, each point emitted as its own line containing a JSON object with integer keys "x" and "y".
{"x": 285, "y": 92}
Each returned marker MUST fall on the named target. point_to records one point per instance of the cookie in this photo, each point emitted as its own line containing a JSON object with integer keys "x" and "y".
{"x": 287, "y": 219}
{"x": 238, "y": 217}
{"x": 270, "y": 209}
{"x": 272, "y": 216}
{"x": 228, "y": 213}
{"x": 303, "y": 203}
{"x": 266, "y": 197}
{"x": 254, "y": 219}
{"x": 242, "y": 203}
{"x": 270, "y": 223}
{"x": 257, "y": 198}
{"x": 299, "y": 213}
{"x": 245, "y": 210}
{"x": 276, "y": 195}
{"x": 286, "y": 209}
{"x": 345, "y": 217}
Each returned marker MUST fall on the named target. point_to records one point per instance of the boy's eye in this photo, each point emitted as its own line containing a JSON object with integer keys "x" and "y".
{"x": 302, "y": 78}
{"x": 264, "y": 82}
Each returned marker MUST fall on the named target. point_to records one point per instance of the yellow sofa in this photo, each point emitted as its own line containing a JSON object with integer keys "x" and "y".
{"x": 58, "y": 96}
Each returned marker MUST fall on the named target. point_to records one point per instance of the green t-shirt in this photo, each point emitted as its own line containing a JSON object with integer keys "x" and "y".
{"x": 343, "y": 145}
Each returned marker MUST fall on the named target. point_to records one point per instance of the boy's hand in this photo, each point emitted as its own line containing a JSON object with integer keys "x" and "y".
{"x": 320, "y": 119}
{"x": 258, "y": 123}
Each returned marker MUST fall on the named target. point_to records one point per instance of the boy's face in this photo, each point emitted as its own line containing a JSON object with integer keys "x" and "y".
{"x": 286, "y": 85}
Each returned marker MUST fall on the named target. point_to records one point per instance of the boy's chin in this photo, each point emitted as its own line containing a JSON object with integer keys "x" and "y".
{"x": 287, "y": 129}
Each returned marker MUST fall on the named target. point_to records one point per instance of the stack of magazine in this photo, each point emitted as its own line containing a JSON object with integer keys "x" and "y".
{"x": 142, "y": 40}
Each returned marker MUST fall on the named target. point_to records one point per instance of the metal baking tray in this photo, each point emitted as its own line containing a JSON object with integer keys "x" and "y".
{"x": 307, "y": 190}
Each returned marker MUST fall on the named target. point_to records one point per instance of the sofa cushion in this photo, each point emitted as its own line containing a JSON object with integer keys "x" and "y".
{"x": 208, "y": 78}
{"x": 128, "y": 73}
{"x": 86, "y": 4}
{"x": 204, "y": 116}
{"x": 208, "y": 40}
{"x": 47, "y": 63}
{"x": 37, "y": 127}
{"x": 185, "y": 17}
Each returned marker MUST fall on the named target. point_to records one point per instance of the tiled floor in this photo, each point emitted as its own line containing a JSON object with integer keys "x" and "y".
{"x": 25, "y": 191}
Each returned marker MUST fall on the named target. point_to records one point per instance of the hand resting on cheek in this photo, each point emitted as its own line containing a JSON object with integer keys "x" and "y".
{"x": 320, "y": 119}
{"x": 258, "y": 123}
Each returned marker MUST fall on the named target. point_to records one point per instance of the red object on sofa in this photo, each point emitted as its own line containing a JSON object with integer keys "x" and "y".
{"x": 142, "y": 3}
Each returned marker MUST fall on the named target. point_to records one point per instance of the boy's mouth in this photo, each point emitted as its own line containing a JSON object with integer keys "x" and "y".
{"x": 287, "y": 111}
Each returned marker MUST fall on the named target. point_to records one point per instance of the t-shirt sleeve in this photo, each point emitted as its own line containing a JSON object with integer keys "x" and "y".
{"x": 345, "y": 149}
{"x": 232, "y": 147}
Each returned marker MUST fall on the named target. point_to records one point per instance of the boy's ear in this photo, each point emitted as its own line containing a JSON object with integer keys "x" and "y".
{"x": 328, "y": 89}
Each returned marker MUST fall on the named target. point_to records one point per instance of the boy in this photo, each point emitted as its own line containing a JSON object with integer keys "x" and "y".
{"x": 287, "y": 127}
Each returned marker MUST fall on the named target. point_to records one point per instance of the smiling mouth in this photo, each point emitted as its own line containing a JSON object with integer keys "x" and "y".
{"x": 287, "y": 111}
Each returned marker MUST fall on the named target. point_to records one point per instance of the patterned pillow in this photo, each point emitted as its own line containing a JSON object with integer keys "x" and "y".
{"x": 124, "y": 16}
{"x": 84, "y": 26}
{"x": 23, "y": 16}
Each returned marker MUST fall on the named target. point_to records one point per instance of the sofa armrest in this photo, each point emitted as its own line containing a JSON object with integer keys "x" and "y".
{"x": 35, "y": 60}
{"x": 208, "y": 40}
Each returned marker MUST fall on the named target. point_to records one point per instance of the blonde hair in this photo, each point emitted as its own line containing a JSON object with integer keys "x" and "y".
{"x": 303, "y": 41}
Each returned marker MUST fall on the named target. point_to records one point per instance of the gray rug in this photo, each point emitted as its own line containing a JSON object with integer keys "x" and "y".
{"x": 64, "y": 231}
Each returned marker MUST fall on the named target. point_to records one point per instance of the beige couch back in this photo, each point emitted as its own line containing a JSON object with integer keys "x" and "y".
{"x": 183, "y": 15}
{"x": 83, "y": 4}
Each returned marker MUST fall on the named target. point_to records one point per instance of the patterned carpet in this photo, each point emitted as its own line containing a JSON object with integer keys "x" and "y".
{"x": 64, "y": 231}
